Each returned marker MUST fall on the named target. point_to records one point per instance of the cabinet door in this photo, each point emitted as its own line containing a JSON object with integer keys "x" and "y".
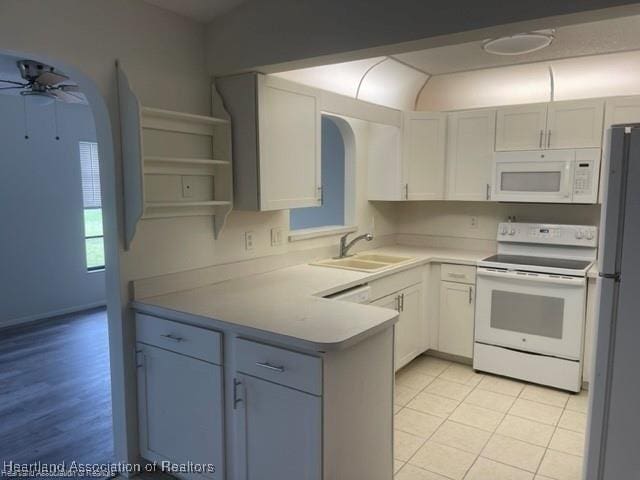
{"x": 289, "y": 142}
{"x": 575, "y": 124}
{"x": 410, "y": 335}
{"x": 470, "y": 146}
{"x": 279, "y": 432}
{"x": 617, "y": 111}
{"x": 410, "y": 329}
{"x": 392, "y": 302}
{"x": 521, "y": 128}
{"x": 457, "y": 308}
{"x": 423, "y": 154}
{"x": 384, "y": 163}
{"x": 180, "y": 409}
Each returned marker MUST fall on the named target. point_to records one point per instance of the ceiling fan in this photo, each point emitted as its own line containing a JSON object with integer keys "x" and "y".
{"x": 43, "y": 81}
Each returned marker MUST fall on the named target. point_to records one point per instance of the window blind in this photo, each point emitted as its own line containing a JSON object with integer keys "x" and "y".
{"x": 90, "y": 173}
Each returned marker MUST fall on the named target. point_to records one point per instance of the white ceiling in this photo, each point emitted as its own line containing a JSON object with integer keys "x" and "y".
{"x": 595, "y": 38}
{"x": 591, "y": 59}
{"x": 200, "y": 10}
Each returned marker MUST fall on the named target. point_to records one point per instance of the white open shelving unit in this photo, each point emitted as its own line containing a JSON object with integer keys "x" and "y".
{"x": 174, "y": 164}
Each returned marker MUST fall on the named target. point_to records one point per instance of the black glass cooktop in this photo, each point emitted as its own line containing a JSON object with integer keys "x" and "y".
{"x": 539, "y": 261}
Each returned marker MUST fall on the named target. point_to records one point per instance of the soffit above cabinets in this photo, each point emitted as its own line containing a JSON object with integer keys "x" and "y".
{"x": 199, "y": 10}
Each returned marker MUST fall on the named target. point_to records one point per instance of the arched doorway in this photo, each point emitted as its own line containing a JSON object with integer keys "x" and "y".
{"x": 107, "y": 169}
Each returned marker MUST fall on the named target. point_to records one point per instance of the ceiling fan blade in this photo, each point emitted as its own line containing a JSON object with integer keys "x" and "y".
{"x": 51, "y": 78}
{"x": 66, "y": 97}
{"x": 68, "y": 88}
{"x": 14, "y": 83}
{"x": 11, "y": 88}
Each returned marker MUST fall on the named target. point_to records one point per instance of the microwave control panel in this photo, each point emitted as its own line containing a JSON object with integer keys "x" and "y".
{"x": 586, "y": 176}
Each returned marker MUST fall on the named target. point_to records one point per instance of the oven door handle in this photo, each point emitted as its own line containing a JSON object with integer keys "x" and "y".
{"x": 537, "y": 277}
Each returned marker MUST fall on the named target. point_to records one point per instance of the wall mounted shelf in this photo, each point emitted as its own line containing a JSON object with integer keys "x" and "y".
{"x": 175, "y": 164}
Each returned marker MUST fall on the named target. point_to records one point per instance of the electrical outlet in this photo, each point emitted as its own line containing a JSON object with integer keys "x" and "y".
{"x": 474, "y": 222}
{"x": 248, "y": 241}
{"x": 187, "y": 187}
{"x": 277, "y": 236}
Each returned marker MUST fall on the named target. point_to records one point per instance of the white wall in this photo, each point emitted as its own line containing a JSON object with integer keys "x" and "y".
{"x": 453, "y": 219}
{"x": 42, "y": 249}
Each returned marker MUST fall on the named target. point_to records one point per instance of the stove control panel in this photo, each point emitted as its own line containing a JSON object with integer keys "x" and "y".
{"x": 578, "y": 235}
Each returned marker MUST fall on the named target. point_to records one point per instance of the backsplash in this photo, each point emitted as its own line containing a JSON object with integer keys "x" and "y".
{"x": 474, "y": 220}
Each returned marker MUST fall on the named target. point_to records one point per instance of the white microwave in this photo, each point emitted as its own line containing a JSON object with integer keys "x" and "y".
{"x": 547, "y": 176}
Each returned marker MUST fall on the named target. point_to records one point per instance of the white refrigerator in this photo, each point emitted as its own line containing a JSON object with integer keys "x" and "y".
{"x": 613, "y": 447}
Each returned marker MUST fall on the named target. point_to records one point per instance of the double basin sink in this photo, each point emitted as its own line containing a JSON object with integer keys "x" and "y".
{"x": 366, "y": 262}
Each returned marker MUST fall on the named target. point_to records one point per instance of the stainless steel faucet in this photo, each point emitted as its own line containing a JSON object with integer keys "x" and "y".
{"x": 345, "y": 247}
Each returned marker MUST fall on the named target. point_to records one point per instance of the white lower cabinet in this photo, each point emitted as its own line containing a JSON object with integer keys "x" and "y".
{"x": 410, "y": 331}
{"x": 457, "y": 310}
{"x": 279, "y": 431}
{"x": 180, "y": 410}
{"x": 286, "y": 414}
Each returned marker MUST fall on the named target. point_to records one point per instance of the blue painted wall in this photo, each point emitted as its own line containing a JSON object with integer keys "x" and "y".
{"x": 332, "y": 210}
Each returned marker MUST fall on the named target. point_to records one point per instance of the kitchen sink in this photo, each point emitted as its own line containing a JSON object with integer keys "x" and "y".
{"x": 364, "y": 262}
{"x": 389, "y": 259}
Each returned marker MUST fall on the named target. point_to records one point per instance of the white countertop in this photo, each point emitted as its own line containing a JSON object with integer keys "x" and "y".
{"x": 288, "y": 303}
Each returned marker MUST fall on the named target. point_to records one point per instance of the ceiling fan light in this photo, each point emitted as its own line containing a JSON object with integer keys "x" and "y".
{"x": 39, "y": 99}
{"x": 519, "y": 44}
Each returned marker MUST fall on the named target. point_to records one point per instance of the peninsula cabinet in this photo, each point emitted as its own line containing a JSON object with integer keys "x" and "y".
{"x": 470, "y": 146}
{"x": 263, "y": 411}
{"x": 276, "y": 141}
{"x": 554, "y": 125}
{"x": 180, "y": 391}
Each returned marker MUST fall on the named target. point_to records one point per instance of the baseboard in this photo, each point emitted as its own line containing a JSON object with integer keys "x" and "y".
{"x": 449, "y": 356}
{"x": 55, "y": 313}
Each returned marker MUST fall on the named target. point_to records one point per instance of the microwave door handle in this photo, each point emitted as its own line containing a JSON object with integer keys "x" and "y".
{"x": 568, "y": 180}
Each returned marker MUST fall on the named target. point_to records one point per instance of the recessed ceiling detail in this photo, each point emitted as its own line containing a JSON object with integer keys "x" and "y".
{"x": 199, "y": 10}
{"x": 519, "y": 44}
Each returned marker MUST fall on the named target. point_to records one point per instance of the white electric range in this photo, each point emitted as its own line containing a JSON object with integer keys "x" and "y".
{"x": 531, "y": 303}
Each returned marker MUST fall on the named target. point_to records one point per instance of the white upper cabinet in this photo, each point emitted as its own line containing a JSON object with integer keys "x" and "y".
{"x": 521, "y": 127}
{"x": 407, "y": 164}
{"x": 555, "y": 125}
{"x": 423, "y": 155}
{"x": 575, "y": 124}
{"x": 276, "y": 142}
{"x": 470, "y": 147}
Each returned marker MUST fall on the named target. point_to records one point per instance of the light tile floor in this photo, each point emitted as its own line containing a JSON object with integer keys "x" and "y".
{"x": 452, "y": 423}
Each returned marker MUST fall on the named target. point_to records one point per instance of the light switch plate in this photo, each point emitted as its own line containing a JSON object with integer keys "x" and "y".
{"x": 277, "y": 236}
{"x": 248, "y": 241}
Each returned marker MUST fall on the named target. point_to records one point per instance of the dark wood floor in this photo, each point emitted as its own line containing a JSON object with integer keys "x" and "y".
{"x": 55, "y": 399}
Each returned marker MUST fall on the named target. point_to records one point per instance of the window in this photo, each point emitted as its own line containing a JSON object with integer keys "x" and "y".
{"x": 333, "y": 168}
{"x": 92, "y": 202}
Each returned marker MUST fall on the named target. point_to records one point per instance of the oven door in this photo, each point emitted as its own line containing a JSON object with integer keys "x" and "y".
{"x": 534, "y": 176}
{"x": 533, "y": 312}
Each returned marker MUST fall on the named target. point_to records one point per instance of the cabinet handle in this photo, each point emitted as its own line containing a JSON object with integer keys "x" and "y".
{"x": 398, "y": 303}
{"x": 268, "y": 366}
{"x": 402, "y": 302}
{"x": 541, "y": 135}
{"x": 456, "y": 275}
{"x": 236, "y": 399}
{"x": 173, "y": 338}
{"x": 488, "y": 192}
{"x": 406, "y": 191}
{"x": 549, "y": 139}
{"x": 321, "y": 194}
{"x": 139, "y": 359}
{"x": 470, "y": 295}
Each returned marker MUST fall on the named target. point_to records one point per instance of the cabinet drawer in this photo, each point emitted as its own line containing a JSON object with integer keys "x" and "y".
{"x": 394, "y": 283}
{"x": 180, "y": 338}
{"x": 458, "y": 273}
{"x": 285, "y": 367}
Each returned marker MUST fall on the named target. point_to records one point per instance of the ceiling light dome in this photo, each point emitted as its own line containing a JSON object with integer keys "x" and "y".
{"x": 518, "y": 44}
